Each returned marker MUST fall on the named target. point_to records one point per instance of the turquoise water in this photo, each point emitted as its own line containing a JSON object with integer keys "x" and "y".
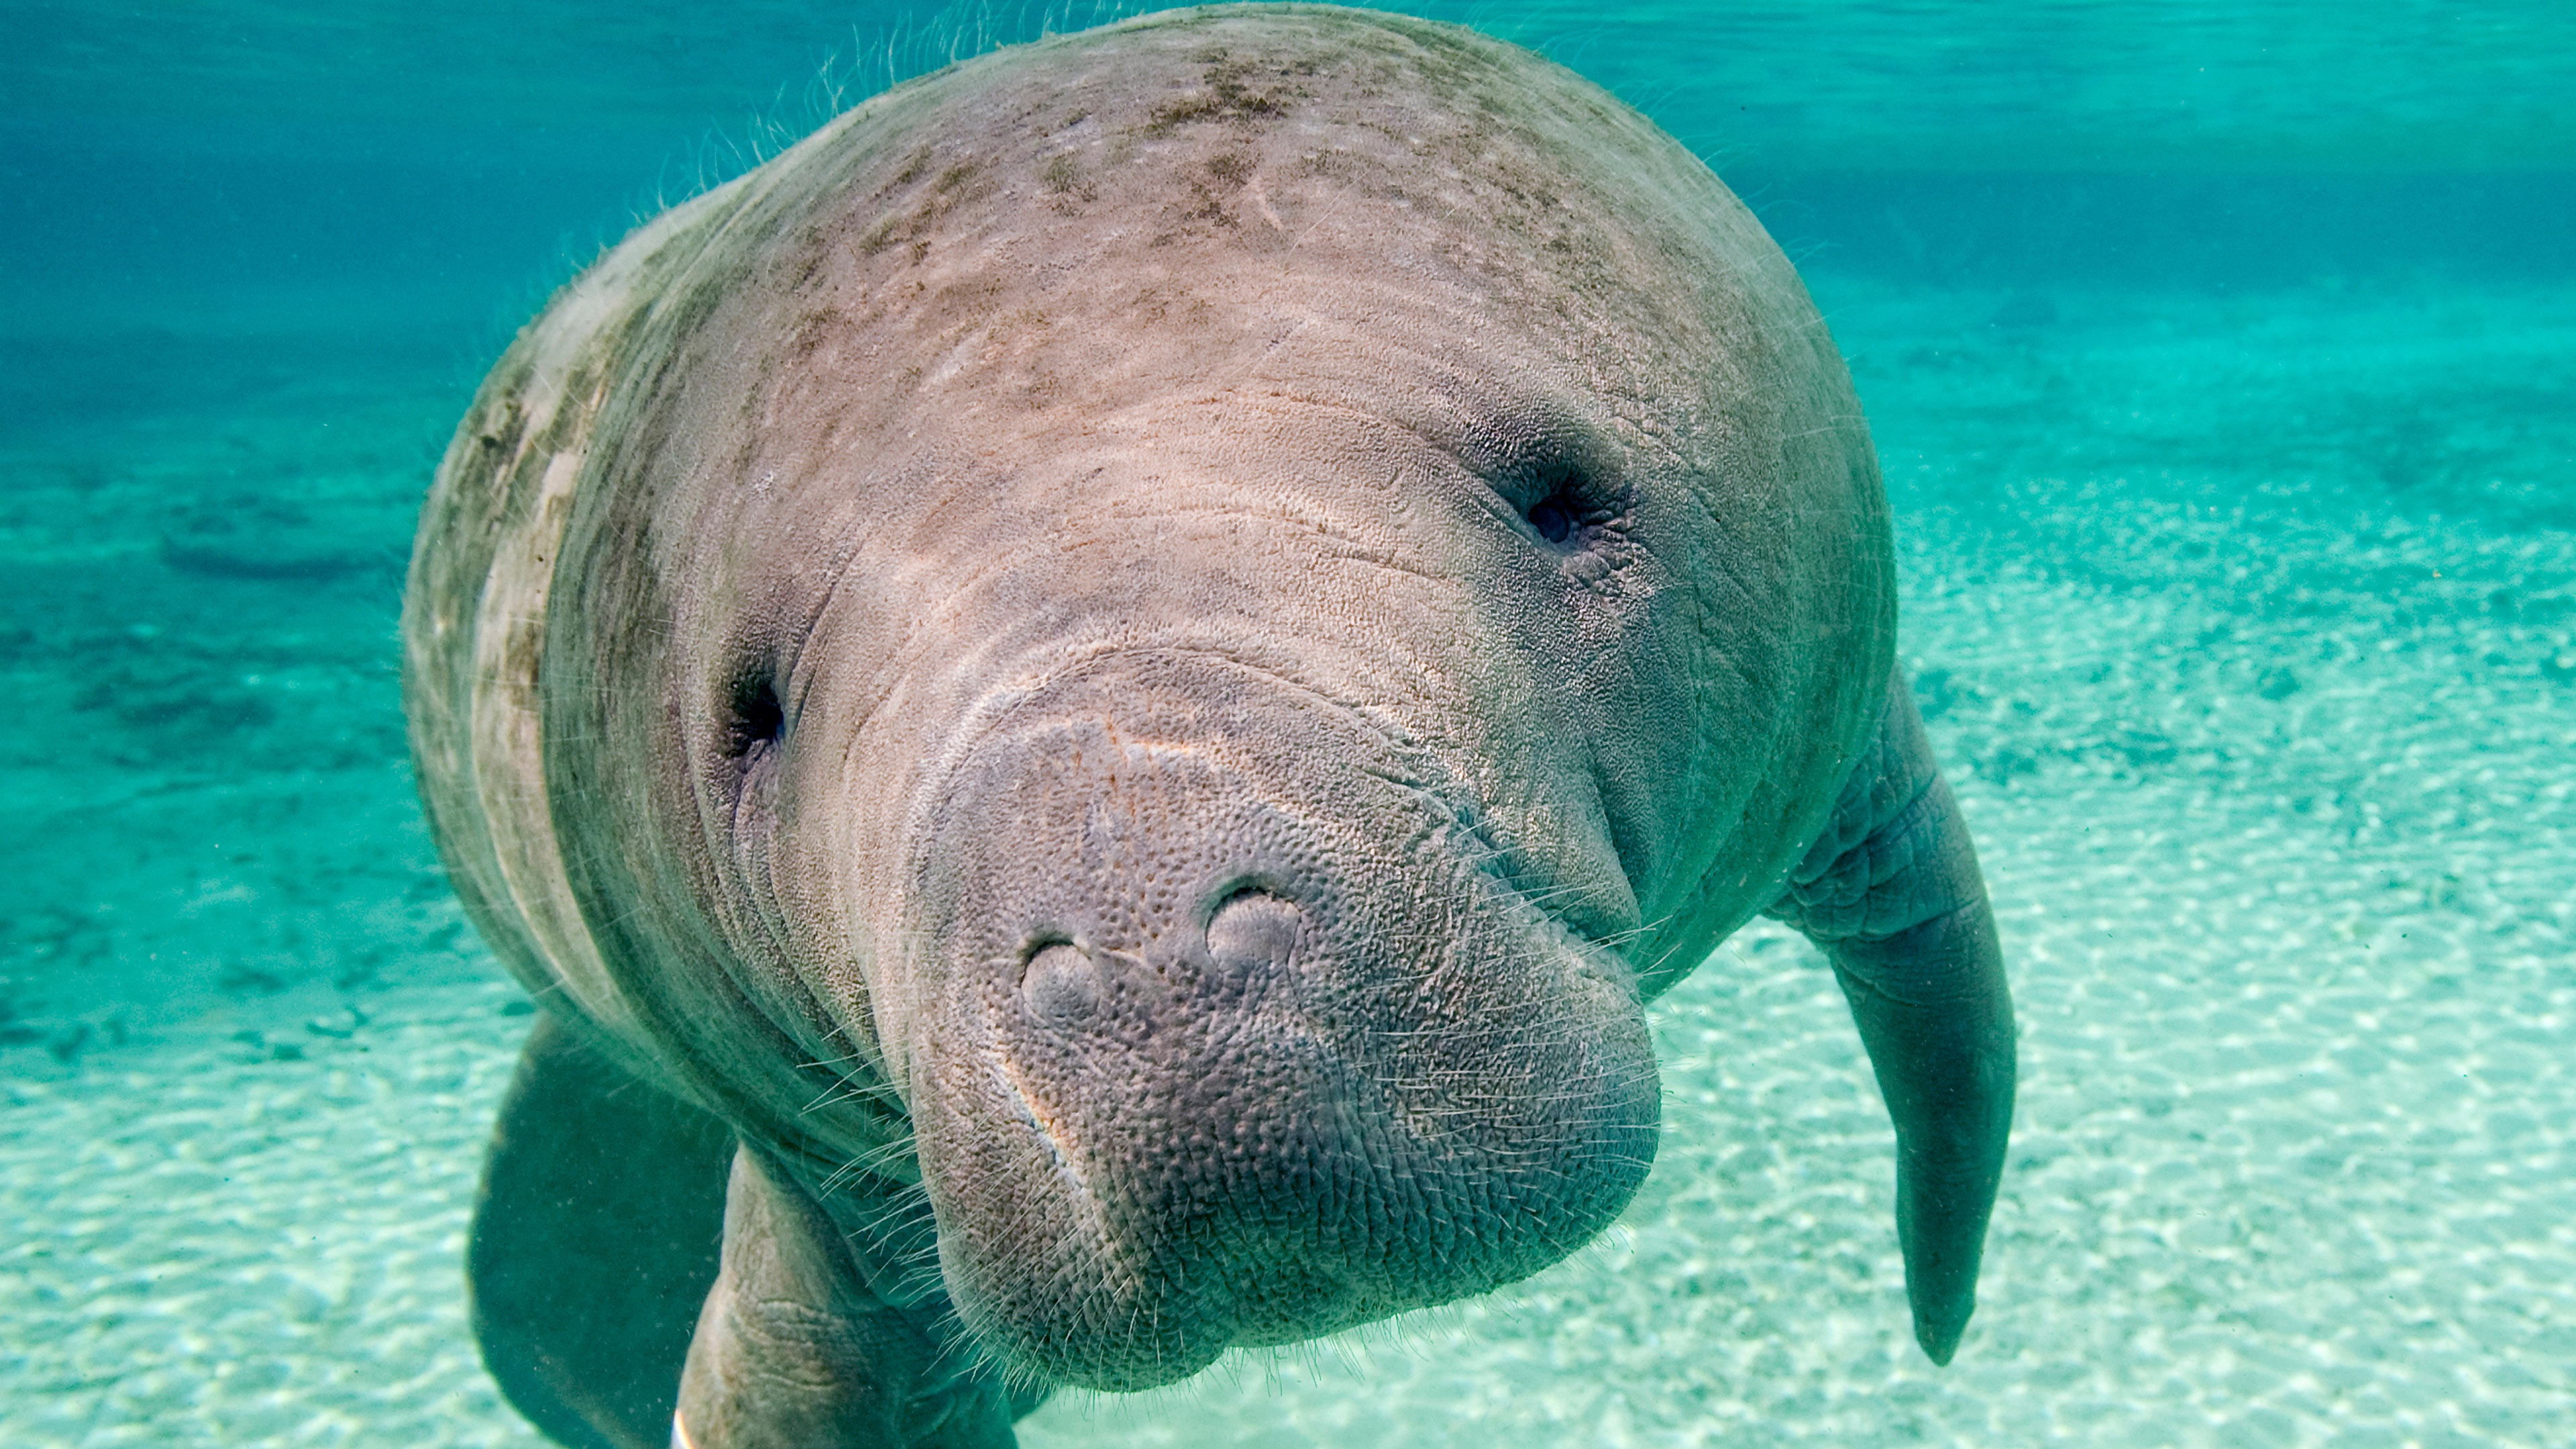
{"x": 2222, "y": 359}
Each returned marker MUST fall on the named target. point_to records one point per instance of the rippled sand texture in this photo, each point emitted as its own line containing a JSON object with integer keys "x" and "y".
{"x": 231, "y": 1249}
{"x": 2249, "y": 633}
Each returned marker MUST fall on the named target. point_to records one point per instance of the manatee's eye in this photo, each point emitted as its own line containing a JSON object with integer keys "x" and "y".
{"x": 757, "y": 720}
{"x": 1553, "y": 517}
{"x": 1571, "y": 502}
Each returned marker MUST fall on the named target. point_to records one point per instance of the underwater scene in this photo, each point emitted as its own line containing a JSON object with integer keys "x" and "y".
{"x": 2220, "y": 358}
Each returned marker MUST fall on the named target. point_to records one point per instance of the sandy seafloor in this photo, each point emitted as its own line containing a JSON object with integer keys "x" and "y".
{"x": 2248, "y": 630}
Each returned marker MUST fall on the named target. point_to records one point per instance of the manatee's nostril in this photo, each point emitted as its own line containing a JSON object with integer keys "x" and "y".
{"x": 1060, "y": 985}
{"x": 1253, "y": 928}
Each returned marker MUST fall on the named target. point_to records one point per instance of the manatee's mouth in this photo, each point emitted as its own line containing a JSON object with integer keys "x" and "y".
{"x": 1274, "y": 1159}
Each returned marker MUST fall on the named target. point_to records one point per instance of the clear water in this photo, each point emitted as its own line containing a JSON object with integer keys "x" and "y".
{"x": 2223, "y": 361}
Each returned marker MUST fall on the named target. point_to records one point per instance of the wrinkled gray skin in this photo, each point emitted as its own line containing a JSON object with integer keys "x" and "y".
{"x": 1094, "y": 701}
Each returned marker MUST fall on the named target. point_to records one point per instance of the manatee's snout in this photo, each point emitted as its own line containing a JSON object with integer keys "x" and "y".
{"x": 1227, "y": 1036}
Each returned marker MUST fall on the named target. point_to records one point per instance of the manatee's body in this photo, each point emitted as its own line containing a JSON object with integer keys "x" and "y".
{"x": 1094, "y": 701}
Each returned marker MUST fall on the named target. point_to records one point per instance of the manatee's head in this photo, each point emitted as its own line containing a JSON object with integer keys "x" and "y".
{"x": 1242, "y": 591}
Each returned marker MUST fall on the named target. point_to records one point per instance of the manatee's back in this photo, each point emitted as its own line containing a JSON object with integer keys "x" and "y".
{"x": 474, "y": 615}
{"x": 482, "y": 577}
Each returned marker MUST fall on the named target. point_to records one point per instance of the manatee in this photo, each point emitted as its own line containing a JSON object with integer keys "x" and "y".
{"x": 1094, "y": 702}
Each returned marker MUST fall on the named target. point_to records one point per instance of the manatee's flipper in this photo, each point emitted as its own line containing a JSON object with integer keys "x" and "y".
{"x": 795, "y": 1352}
{"x": 1892, "y": 894}
{"x": 595, "y": 1240}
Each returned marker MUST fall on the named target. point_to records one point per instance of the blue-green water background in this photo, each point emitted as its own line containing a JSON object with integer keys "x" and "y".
{"x": 2223, "y": 359}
